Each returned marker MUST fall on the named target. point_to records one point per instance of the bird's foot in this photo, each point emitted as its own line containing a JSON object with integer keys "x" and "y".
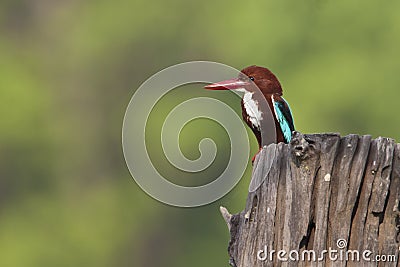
{"x": 254, "y": 157}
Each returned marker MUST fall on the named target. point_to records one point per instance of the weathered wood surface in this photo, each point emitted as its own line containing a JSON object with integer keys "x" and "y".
{"x": 321, "y": 189}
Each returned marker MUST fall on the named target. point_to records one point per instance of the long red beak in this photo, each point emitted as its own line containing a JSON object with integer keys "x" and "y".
{"x": 227, "y": 85}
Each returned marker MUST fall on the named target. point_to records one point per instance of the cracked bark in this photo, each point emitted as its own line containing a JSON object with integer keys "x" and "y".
{"x": 321, "y": 188}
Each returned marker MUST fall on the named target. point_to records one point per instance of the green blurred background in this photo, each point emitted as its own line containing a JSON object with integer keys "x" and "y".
{"x": 69, "y": 68}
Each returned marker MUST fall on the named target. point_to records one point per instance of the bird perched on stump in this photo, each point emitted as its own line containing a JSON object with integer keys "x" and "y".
{"x": 271, "y": 91}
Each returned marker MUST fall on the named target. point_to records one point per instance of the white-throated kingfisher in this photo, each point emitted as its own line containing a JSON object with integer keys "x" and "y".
{"x": 252, "y": 113}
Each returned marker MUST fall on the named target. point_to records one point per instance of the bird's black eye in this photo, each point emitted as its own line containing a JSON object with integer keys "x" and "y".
{"x": 251, "y": 78}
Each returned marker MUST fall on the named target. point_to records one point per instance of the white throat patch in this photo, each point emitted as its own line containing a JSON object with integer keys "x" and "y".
{"x": 251, "y": 107}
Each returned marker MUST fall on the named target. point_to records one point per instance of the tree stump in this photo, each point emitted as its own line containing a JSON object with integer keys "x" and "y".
{"x": 323, "y": 193}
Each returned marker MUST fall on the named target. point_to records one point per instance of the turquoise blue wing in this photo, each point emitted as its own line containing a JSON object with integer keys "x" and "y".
{"x": 284, "y": 117}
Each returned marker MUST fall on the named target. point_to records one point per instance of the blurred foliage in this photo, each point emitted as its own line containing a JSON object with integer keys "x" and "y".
{"x": 69, "y": 68}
